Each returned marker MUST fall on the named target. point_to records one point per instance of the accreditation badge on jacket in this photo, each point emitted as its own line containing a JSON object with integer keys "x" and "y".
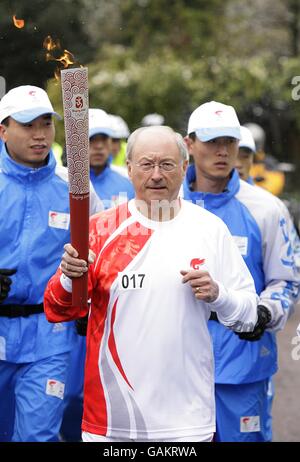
{"x": 58, "y": 220}
{"x": 242, "y": 243}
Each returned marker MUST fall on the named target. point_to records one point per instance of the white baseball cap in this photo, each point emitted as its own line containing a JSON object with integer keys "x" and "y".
{"x": 212, "y": 120}
{"x": 152, "y": 119}
{"x": 119, "y": 127}
{"x": 247, "y": 140}
{"x": 99, "y": 123}
{"x": 25, "y": 103}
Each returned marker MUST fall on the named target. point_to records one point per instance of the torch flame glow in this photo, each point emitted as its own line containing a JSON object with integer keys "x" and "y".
{"x": 66, "y": 58}
{"x": 19, "y": 23}
{"x": 51, "y": 44}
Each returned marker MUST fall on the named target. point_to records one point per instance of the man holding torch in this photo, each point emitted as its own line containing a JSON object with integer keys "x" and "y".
{"x": 158, "y": 266}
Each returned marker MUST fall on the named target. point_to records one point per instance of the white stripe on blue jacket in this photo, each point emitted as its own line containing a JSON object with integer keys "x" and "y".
{"x": 261, "y": 231}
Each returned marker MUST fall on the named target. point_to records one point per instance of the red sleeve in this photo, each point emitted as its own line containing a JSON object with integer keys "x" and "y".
{"x": 58, "y": 302}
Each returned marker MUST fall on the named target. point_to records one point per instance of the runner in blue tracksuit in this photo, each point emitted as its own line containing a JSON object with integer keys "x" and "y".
{"x": 112, "y": 187}
{"x": 261, "y": 231}
{"x": 244, "y": 162}
{"x": 34, "y": 224}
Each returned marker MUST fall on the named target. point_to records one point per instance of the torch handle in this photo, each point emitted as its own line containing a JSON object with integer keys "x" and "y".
{"x": 79, "y": 207}
{"x": 76, "y": 106}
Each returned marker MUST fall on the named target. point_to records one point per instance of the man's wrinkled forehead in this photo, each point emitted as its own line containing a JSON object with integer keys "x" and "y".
{"x": 155, "y": 143}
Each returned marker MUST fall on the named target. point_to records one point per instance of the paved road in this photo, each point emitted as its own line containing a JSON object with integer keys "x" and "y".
{"x": 286, "y": 408}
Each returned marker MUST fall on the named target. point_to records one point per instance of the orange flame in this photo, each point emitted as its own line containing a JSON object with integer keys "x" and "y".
{"x": 66, "y": 59}
{"x": 51, "y": 44}
{"x": 19, "y": 23}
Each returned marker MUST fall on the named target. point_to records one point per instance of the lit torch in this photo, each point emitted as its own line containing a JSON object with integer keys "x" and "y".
{"x": 75, "y": 98}
{"x": 76, "y": 104}
{"x": 66, "y": 59}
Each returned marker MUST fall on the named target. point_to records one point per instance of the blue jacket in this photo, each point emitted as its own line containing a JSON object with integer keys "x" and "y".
{"x": 109, "y": 184}
{"x": 34, "y": 226}
{"x": 261, "y": 232}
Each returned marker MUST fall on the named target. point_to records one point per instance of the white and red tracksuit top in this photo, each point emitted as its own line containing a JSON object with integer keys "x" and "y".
{"x": 149, "y": 366}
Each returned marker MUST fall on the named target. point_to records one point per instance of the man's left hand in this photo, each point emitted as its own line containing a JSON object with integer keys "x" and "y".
{"x": 263, "y": 318}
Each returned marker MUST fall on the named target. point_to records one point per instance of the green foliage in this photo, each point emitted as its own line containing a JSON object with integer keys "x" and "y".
{"x": 190, "y": 28}
{"x": 167, "y": 57}
{"x": 258, "y": 88}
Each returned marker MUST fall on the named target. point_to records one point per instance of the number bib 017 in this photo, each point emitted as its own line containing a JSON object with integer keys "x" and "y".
{"x": 131, "y": 280}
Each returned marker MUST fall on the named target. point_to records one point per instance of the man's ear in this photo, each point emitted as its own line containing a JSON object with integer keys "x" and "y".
{"x": 185, "y": 165}
{"x": 184, "y": 168}
{"x": 129, "y": 168}
{"x": 3, "y": 132}
{"x": 189, "y": 142}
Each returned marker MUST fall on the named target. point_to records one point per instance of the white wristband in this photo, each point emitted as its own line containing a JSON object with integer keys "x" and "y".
{"x": 66, "y": 283}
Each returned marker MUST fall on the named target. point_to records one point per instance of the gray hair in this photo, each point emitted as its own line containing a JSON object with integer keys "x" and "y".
{"x": 177, "y": 138}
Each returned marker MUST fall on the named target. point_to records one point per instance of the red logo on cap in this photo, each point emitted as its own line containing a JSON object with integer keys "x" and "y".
{"x": 32, "y": 93}
{"x": 78, "y": 102}
{"x": 196, "y": 263}
{"x": 218, "y": 112}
